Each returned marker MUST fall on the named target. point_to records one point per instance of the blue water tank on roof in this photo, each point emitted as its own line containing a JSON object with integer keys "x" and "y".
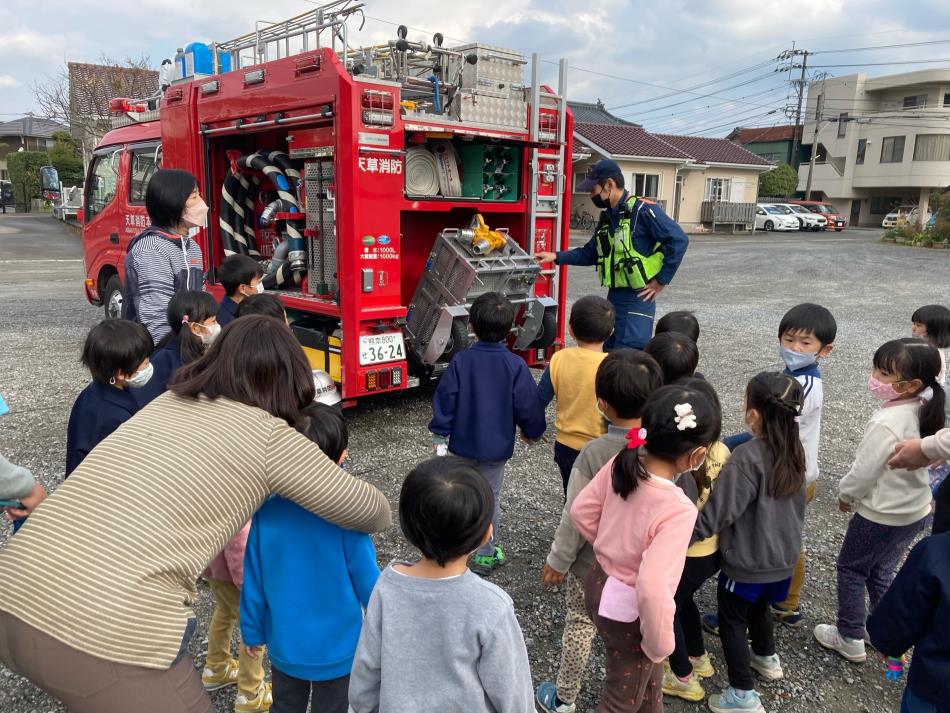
{"x": 203, "y": 60}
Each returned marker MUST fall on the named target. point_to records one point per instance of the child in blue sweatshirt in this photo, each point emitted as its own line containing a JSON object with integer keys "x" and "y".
{"x": 482, "y": 397}
{"x": 306, "y": 584}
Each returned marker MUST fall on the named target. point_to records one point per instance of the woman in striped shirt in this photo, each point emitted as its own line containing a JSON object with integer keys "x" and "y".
{"x": 96, "y": 606}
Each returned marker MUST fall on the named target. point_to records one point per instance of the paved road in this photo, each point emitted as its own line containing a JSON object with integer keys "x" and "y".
{"x": 738, "y": 286}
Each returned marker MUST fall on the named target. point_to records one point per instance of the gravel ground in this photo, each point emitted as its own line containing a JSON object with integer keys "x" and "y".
{"x": 738, "y": 286}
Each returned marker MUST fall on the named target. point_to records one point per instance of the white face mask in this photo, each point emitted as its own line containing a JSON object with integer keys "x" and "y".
{"x": 210, "y": 333}
{"x": 141, "y": 377}
{"x": 257, "y": 289}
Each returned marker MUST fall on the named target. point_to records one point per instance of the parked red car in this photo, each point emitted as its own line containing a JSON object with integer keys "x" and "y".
{"x": 836, "y": 220}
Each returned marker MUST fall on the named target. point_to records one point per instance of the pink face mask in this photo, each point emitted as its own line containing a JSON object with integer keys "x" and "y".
{"x": 883, "y": 392}
{"x": 196, "y": 215}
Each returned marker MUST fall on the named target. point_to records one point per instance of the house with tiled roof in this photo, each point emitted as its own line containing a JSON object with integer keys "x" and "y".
{"x": 684, "y": 174}
{"x": 773, "y": 143}
{"x": 91, "y": 86}
{"x": 30, "y": 133}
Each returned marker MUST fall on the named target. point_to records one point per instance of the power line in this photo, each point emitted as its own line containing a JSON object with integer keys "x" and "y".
{"x": 884, "y": 64}
{"x": 883, "y": 47}
{"x": 678, "y": 117}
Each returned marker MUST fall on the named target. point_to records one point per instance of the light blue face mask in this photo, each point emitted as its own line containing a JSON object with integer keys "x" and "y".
{"x": 796, "y": 360}
{"x": 140, "y": 378}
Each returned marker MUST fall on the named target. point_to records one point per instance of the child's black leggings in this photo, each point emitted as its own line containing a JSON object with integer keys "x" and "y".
{"x": 736, "y": 617}
{"x": 687, "y": 625}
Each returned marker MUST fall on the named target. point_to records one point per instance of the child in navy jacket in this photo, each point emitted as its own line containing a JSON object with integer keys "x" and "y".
{"x": 484, "y": 394}
{"x": 306, "y": 584}
{"x": 116, "y": 354}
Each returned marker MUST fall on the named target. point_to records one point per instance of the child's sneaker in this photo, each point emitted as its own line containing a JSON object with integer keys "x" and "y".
{"x": 261, "y": 703}
{"x": 484, "y": 564}
{"x": 711, "y": 623}
{"x": 851, "y": 649}
{"x": 731, "y": 700}
{"x": 702, "y": 666}
{"x": 546, "y": 700}
{"x": 789, "y": 617}
{"x": 769, "y": 667}
{"x": 688, "y": 690}
{"x": 214, "y": 679}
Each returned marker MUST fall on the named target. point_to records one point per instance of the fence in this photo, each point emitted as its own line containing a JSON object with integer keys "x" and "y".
{"x": 726, "y": 213}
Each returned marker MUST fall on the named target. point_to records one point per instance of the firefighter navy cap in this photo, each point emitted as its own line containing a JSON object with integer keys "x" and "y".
{"x": 599, "y": 172}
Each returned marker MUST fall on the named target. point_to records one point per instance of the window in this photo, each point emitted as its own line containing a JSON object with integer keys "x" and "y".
{"x": 102, "y": 180}
{"x": 892, "y": 149}
{"x": 718, "y": 189}
{"x": 143, "y": 166}
{"x": 578, "y": 178}
{"x": 882, "y": 205}
{"x": 646, "y": 185}
{"x": 862, "y": 150}
{"x": 842, "y": 124}
{"x": 946, "y": 100}
{"x": 932, "y": 147}
{"x": 918, "y": 101}
{"x": 773, "y": 157}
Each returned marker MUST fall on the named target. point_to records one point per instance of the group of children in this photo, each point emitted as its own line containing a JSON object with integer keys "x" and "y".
{"x": 656, "y": 502}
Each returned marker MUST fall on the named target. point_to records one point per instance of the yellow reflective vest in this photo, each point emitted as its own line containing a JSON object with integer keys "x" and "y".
{"x": 618, "y": 263}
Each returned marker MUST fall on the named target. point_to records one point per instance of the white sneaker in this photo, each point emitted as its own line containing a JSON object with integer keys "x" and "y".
{"x": 851, "y": 649}
{"x": 768, "y": 667}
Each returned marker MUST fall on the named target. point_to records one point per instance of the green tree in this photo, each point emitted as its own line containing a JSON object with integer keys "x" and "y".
{"x": 780, "y": 181}
{"x": 24, "y": 167}
{"x": 64, "y": 157}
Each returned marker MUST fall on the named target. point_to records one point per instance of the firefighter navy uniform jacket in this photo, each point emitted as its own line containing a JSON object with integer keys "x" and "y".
{"x": 652, "y": 226}
{"x": 98, "y": 411}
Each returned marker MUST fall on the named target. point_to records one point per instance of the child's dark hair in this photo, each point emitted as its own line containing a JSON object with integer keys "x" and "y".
{"x": 625, "y": 379}
{"x": 681, "y": 322}
{"x": 188, "y": 307}
{"x": 700, "y": 474}
{"x": 676, "y": 354}
{"x": 664, "y": 438}
{"x": 237, "y": 270}
{"x": 910, "y": 359}
{"x": 936, "y": 318}
{"x": 592, "y": 319}
{"x": 778, "y": 398}
{"x": 325, "y": 426}
{"x": 266, "y": 305}
{"x": 115, "y": 345}
{"x": 445, "y": 508}
{"x": 808, "y": 317}
{"x": 491, "y": 316}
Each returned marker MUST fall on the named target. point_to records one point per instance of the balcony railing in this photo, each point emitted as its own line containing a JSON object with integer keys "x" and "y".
{"x": 728, "y": 213}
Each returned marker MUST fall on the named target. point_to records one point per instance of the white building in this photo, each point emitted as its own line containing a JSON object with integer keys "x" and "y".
{"x": 881, "y": 141}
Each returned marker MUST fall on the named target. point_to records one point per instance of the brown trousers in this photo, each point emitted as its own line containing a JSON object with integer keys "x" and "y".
{"x": 87, "y": 684}
{"x": 633, "y": 683}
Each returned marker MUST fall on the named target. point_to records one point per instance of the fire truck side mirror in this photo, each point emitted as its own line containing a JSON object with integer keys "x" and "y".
{"x": 471, "y": 58}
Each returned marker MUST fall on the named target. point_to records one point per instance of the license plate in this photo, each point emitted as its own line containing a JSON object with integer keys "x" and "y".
{"x": 381, "y": 348}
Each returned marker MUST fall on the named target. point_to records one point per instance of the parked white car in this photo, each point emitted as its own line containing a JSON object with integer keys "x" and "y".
{"x": 901, "y": 215}
{"x": 807, "y": 220}
{"x": 770, "y": 217}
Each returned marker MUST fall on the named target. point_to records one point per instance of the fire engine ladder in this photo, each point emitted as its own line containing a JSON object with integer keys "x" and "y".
{"x": 548, "y": 206}
{"x": 273, "y": 40}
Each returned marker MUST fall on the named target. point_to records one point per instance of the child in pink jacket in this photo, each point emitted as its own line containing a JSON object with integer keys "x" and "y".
{"x": 225, "y": 575}
{"x": 639, "y": 523}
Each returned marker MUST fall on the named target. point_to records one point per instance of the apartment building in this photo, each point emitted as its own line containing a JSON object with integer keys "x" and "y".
{"x": 879, "y": 141}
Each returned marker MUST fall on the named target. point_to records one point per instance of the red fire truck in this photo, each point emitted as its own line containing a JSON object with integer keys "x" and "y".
{"x": 382, "y": 188}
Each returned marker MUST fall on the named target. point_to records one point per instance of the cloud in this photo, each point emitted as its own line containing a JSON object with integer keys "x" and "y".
{"x": 7, "y": 81}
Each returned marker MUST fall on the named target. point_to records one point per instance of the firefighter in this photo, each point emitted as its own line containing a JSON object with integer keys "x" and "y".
{"x": 636, "y": 247}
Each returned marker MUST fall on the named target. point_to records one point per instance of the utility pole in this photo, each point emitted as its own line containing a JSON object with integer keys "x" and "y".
{"x": 789, "y": 55}
{"x": 819, "y": 105}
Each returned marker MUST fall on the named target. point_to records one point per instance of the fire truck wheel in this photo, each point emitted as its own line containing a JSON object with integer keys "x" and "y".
{"x": 548, "y": 330}
{"x": 460, "y": 340}
{"x": 112, "y": 298}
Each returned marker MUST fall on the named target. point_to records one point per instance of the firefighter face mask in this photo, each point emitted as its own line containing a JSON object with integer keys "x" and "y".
{"x": 195, "y": 214}
{"x": 598, "y": 198}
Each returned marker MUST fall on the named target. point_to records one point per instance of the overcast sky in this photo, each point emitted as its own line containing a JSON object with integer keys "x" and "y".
{"x": 621, "y": 51}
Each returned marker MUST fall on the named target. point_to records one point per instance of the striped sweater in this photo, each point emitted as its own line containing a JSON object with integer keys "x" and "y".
{"x": 158, "y": 265}
{"x": 108, "y": 564}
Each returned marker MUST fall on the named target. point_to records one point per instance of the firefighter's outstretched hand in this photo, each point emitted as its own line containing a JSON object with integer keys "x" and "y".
{"x": 544, "y": 257}
{"x": 651, "y": 291}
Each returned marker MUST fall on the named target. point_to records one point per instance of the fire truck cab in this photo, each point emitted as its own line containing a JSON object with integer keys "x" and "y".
{"x": 382, "y": 189}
